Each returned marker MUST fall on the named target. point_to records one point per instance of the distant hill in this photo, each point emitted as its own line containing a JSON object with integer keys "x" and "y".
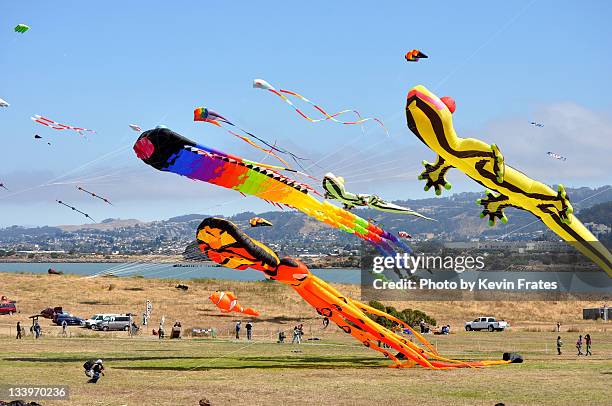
{"x": 294, "y": 233}
{"x": 599, "y": 213}
{"x": 108, "y": 224}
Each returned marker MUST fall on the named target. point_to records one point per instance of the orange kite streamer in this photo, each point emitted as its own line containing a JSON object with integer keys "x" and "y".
{"x": 225, "y": 244}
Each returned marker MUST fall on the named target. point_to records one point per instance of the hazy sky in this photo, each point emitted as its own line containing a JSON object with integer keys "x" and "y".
{"x": 104, "y": 65}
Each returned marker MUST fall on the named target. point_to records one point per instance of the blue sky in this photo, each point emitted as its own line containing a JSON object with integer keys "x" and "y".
{"x": 104, "y": 65}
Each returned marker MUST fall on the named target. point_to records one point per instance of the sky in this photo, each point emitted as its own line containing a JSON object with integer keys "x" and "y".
{"x": 104, "y": 65}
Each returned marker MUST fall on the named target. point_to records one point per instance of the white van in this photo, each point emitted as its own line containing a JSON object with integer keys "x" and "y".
{"x": 95, "y": 319}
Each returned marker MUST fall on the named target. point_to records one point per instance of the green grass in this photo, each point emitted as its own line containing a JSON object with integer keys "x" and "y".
{"x": 338, "y": 371}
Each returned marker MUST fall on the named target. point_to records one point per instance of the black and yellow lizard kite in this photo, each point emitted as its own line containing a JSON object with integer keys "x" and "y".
{"x": 430, "y": 119}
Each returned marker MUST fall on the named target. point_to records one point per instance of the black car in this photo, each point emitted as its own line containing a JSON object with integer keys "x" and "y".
{"x": 69, "y": 318}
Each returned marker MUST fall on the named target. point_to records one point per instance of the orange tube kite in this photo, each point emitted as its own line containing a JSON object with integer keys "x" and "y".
{"x": 227, "y": 245}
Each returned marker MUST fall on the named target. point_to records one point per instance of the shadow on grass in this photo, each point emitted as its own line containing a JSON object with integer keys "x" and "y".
{"x": 271, "y": 363}
{"x": 84, "y": 357}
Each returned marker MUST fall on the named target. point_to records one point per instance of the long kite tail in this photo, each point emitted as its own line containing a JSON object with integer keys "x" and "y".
{"x": 262, "y": 84}
{"x": 353, "y": 313}
{"x": 210, "y": 116}
{"x": 250, "y": 312}
{"x": 58, "y": 126}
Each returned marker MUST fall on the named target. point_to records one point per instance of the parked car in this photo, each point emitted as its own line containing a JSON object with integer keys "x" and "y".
{"x": 49, "y": 312}
{"x": 119, "y": 322}
{"x": 95, "y": 319}
{"x": 8, "y": 308}
{"x": 70, "y": 319}
{"x": 486, "y": 323}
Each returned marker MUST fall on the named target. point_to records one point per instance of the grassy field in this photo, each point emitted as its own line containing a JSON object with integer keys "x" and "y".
{"x": 146, "y": 371}
{"x": 335, "y": 370}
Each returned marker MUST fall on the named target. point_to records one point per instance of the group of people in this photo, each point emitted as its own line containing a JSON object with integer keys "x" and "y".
{"x": 298, "y": 332}
{"x": 248, "y": 327}
{"x": 586, "y": 342}
{"x": 35, "y": 329}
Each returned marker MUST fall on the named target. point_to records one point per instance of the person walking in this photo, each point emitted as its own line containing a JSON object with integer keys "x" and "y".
{"x": 559, "y": 345}
{"x": 249, "y": 329}
{"x": 18, "y": 331}
{"x": 64, "y": 328}
{"x": 37, "y": 330}
{"x": 238, "y": 326}
{"x": 587, "y": 342}
{"x": 579, "y": 345}
{"x": 558, "y": 327}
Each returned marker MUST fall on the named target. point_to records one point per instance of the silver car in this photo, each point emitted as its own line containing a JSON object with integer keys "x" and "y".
{"x": 111, "y": 323}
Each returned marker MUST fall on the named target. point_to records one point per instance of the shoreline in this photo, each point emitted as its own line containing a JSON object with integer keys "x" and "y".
{"x": 174, "y": 260}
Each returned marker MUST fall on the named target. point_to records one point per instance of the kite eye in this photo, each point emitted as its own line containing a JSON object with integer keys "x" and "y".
{"x": 144, "y": 148}
{"x": 449, "y": 102}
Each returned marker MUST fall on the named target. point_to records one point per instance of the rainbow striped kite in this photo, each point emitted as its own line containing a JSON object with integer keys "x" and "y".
{"x": 168, "y": 151}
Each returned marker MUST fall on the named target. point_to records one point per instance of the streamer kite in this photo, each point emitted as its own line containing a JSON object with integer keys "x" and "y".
{"x": 135, "y": 127}
{"x": 2, "y": 186}
{"x": 75, "y": 209}
{"x": 533, "y": 123}
{"x": 260, "y": 222}
{"x": 168, "y": 151}
{"x": 430, "y": 119}
{"x": 58, "y": 126}
{"x": 3, "y": 103}
{"x": 556, "y": 156}
{"x": 92, "y": 194}
{"x": 335, "y": 190}
{"x": 224, "y": 243}
{"x": 262, "y": 84}
{"x": 209, "y": 116}
{"x": 228, "y": 302}
{"x": 414, "y": 55}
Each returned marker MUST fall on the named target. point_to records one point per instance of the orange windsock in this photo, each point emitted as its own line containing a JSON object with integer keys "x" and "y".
{"x": 228, "y": 302}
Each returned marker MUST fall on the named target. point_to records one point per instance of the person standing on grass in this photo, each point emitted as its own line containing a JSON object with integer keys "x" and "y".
{"x": 559, "y": 345}
{"x": 64, "y": 328}
{"x": 579, "y": 345}
{"x": 325, "y": 322}
{"x": 587, "y": 342}
{"x": 37, "y": 330}
{"x": 18, "y": 331}
{"x": 249, "y": 329}
{"x": 238, "y": 326}
{"x": 160, "y": 332}
{"x": 297, "y": 336}
{"x": 558, "y": 327}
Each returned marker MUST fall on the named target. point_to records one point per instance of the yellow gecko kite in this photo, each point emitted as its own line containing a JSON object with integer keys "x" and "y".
{"x": 430, "y": 119}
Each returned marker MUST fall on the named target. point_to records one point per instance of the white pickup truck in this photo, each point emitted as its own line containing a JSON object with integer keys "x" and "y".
{"x": 486, "y": 323}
